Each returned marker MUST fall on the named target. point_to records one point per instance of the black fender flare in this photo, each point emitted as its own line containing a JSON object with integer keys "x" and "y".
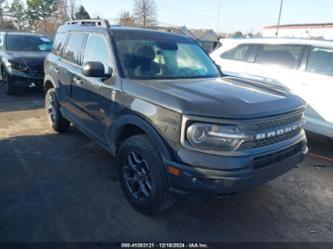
{"x": 130, "y": 119}
{"x": 48, "y": 78}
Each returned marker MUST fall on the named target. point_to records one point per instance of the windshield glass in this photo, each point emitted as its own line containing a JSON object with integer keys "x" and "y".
{"x": 151, "y": 58}
{"x": 28, "y": 43}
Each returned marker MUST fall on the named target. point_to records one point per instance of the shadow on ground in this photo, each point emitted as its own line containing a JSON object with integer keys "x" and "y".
{"x": 65, "y": 188}
{"x": 29, "y": 100}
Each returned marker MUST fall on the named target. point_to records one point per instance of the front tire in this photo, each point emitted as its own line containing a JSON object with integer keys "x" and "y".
{"x": 142, "y": 177}
{"x": 56, "y": 120}
{"x": 8, "y": 85}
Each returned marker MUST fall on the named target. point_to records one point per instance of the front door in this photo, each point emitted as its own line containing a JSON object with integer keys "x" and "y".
{"x": 94, "y": 95}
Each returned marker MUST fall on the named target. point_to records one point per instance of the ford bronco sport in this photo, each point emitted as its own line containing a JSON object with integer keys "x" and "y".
{"x": 157, "y": 102}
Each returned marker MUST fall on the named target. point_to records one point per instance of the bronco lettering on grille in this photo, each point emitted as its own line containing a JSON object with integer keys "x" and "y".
{"x": 280, "y": 131}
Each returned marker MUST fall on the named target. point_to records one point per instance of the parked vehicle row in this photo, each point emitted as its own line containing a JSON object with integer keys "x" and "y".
{"x": 157, "y": 102}
{"x": 21, "y": 60}
{"x": 304, "y": 67}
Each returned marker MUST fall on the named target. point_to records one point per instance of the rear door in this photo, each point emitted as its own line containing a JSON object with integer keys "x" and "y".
{"x": 317, "y": 87}
{"x": 94, "y": 95}
{"x": 68, "y": 69}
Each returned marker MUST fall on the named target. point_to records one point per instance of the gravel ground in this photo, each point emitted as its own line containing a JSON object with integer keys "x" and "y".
{"x": 65, "y": 188}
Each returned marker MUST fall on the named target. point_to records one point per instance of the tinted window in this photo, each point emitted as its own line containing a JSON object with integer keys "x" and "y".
{"x": 28, "y": 43}
{"x": 287, "y": 56}
{"x": 59, "y": 43}
{"x": 73, "y": 47}
{"x": 320, "y": 61}
{"x": 240, "y": 53}
{"x": 97, "y": 49}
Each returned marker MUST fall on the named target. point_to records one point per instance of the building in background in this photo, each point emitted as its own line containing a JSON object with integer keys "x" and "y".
{"x": 308, "y": 31}
{"x": 207, "y": 38}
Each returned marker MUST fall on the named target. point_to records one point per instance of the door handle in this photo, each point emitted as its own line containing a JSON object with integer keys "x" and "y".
{"x": 77, "y": 81}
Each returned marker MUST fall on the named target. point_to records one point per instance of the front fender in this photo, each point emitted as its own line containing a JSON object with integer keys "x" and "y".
{"x": 150, "y": 131}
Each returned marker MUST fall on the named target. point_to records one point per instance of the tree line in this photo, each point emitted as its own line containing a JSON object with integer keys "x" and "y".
{"x": 39, "y": 15}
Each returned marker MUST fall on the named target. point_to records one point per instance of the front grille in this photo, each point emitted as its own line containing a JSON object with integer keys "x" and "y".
{"x": 276, "y": 122}
{"x": 263, "y": 161}
{"x": 36, "y": 71}
{"x": 272, "y": 124}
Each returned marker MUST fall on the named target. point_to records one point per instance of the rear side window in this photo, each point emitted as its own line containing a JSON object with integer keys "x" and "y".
{"x": 320, "y": 61}
{"x": 286, "y": 56}
{"x": 240, "y": 53}
{"x": 97, "y": 49}
{"x": 73, "y": 47}
{"x": 59, "y": 43}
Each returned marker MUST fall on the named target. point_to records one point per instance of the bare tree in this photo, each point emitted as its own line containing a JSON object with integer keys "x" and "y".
{"x": 126, "y": 19}
{"x": 145, "y": 12}
{"x": 3, "y": 7}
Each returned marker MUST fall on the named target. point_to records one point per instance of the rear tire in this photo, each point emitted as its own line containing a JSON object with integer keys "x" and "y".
{"x": 142, "y": 176}
{"x": 52, "y": 107}
{"x": 8, "y": 85}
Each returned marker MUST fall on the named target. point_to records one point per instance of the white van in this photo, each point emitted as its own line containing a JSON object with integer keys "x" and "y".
{"x": 304, "y": 67}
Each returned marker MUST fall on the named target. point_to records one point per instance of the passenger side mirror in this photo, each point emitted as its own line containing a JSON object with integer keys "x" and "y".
{"x": 93, "y": 69}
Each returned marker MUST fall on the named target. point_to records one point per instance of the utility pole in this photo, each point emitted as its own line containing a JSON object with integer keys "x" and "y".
{"x": 279, "y": 19}
{"x": 218, "y": 16}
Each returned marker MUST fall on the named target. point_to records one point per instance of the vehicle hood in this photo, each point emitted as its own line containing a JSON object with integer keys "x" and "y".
{"x": 226, "y": 97}
{"x": 27, "y": 58}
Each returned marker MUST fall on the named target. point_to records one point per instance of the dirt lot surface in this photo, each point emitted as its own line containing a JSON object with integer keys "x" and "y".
{"x": 64, "y": 188}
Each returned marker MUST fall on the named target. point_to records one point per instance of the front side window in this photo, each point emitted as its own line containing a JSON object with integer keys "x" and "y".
{"x": 28, "y": 43}
{"x": 97, "y": 50}
{"x": 320, "y": 61}
{"x": 240, "y": 53}
{"x": 157, "y": 58}
{"x": 286, "y": 56}
{"x": 73, "y": 47}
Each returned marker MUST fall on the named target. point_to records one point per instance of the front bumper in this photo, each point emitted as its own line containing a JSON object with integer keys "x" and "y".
{"x": 259, "y": 169}
{"x": 24, "y": 80}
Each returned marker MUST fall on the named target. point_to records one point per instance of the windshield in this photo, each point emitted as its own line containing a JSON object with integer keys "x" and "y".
{"x": 28, "y": 43}
{"x": 150, "y": 58}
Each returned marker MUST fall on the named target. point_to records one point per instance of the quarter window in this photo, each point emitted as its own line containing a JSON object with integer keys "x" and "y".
{"x": 73, "y": 47}
{"x": 240, "y": 53}
{"x": 320, "y": 61}
{"x": 287, "y": 56}
{"x": 97, "y": 49}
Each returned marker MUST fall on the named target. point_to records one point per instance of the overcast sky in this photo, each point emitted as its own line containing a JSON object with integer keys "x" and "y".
{"x": 244, "y": 15}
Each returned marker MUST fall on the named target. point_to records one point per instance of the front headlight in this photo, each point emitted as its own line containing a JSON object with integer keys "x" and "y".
{"x": 17, "y": 66}
{"x": 214, "y": 137}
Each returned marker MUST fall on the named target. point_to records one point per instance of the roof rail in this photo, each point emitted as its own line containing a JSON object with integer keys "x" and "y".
{"x": 91, "y": 22}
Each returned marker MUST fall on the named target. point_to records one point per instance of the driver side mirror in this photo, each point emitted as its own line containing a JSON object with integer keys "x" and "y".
{"x": 93, "y": 69}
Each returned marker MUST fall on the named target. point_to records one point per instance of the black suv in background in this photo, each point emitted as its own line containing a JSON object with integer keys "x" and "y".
{"x": 22, "y": 58}
{"x": 157, "y": 102}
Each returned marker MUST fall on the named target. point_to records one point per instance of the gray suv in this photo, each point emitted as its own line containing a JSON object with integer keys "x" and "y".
{"x": 157, "y": 102}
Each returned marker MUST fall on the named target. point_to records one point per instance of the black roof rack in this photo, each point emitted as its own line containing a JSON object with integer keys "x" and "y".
{"x": 91, "y": 22}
